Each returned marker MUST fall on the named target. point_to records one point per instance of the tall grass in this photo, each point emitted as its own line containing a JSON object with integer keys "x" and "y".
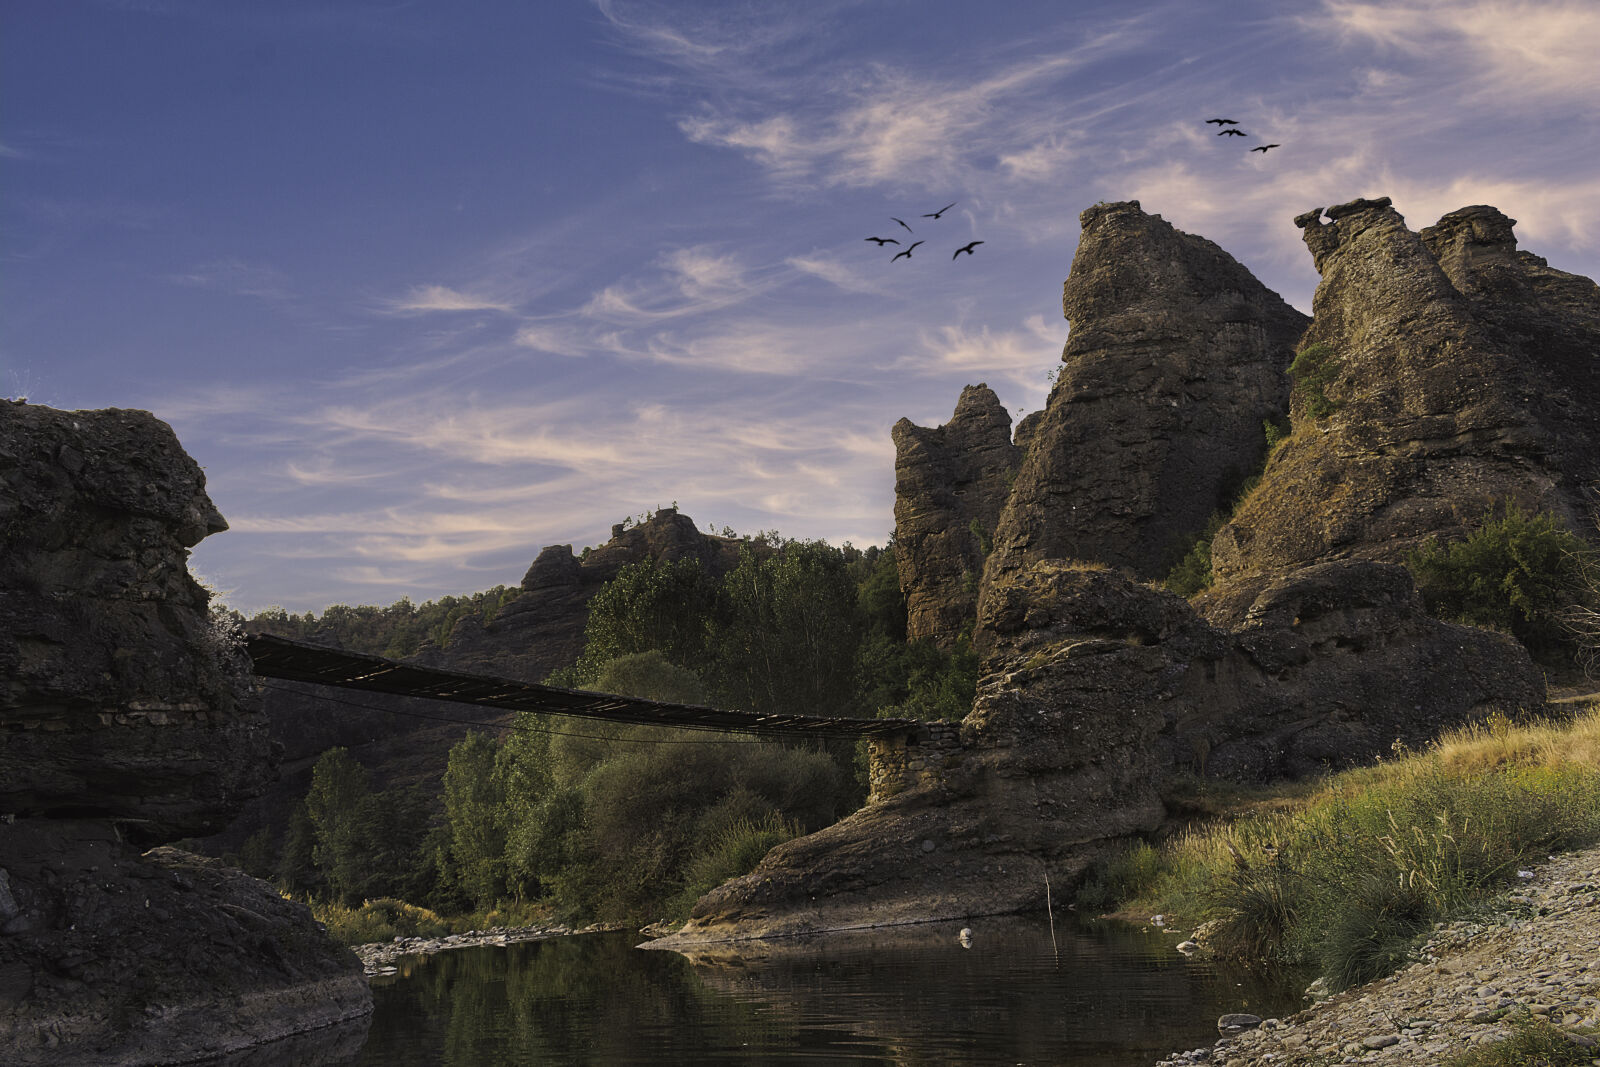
{"x": 386, "y": 918}
{"x": 1348, "y": 877}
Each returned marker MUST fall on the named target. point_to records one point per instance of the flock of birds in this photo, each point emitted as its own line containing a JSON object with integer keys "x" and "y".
{"x": 906, "y": 253}
{"x": 1226, "y": 132}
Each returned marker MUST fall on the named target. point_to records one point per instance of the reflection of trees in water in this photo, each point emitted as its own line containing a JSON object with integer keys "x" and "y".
{"x": 908, "y": 995}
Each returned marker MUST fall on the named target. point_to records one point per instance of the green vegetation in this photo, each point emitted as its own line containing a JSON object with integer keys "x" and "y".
{"x": 1313, "y": 368}
{"x": 1522, "y": 574}
{"x": 1347, "y": 877}
{"x": 397, "y": 631}
{"x": 596, "y": 821}
{"x": 1534, "y": 1042}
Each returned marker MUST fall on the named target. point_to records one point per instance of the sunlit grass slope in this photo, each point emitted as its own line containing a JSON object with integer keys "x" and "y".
{"x": 1345, "y": 876}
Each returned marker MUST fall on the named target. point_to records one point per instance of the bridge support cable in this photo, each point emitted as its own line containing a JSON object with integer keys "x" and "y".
{"x": 298, "y": 661}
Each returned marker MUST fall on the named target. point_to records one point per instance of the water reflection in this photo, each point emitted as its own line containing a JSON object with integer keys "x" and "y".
{"x": 911, "y": 995}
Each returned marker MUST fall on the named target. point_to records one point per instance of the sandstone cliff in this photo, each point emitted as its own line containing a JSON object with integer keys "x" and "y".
{"x": 1451, "y": 373}
{"x": 950, "y": 484}
{"x": 127, "y": 716}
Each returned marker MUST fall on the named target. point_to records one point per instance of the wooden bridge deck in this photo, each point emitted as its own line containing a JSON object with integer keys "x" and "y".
{"x": 297, "y": 661}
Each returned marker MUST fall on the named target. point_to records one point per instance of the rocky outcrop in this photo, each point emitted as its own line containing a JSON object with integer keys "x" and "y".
{"x": 541, "y": 629}
{"x": 1175, "y": 358}
{"x": 1451, "y": 373}
{"x": 128, "y": 716}
{"x": 119, "y": 699}
{"x": 109, "y": 957}
{"x": 950, "y": 484}
{"x": 1096, "y": 690}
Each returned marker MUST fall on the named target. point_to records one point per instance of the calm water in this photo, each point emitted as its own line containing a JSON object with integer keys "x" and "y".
{"x": 907, "y": 996}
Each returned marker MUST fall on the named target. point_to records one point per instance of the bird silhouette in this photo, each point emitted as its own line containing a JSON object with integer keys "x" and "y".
{"x": 967, "y": 248}
{"x": 883, "y": 241}
{"x": 941, "y": 211}
{"x": 903, "y": 223}
{"x": 1231, "y": 133}
{"x": 1222, "y": 122}
{"x": 1264, "y": 147}
{"x": 907, "y": 252}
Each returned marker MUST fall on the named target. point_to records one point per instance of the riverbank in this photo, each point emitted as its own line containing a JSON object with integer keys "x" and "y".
{"x": 379, "y": 957}
{"x": 1535, "y": 950}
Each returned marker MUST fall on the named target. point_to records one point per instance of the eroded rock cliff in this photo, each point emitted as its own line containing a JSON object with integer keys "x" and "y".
{"x": 1446, "y": 373}
{"x": 950, "y": 484}
{"x": 128, "y": 718}
{"x": 1175, "y": 358}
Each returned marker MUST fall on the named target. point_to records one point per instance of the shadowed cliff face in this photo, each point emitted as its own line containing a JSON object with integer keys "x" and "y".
{"x": 950, "y": 484}
{"x": 1175, "y": 358}
{"x": 125, "y": 715}
{"x": 118, "y": 699}
{"x": 1459, "y": 373}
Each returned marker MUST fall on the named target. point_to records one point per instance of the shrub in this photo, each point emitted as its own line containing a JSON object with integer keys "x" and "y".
{"x": 1313, "y": 368}
{"x": 1534, "y": 1042}
{"x": 1522, "y": 574}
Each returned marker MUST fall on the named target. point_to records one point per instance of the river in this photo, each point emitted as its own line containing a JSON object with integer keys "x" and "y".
{"x": 1098, "y": 994}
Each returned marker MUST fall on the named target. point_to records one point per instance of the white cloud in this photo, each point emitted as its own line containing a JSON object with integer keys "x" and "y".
{"x": 442, "y": 298}
{"x": 833, "y": 272}
{"x": 238, "y": 277}
{"x": 1513, "y": 51}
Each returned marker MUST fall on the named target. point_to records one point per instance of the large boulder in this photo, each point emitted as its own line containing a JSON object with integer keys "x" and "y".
{"x": 120, "y": 698}
{"x": 950, "y": 484}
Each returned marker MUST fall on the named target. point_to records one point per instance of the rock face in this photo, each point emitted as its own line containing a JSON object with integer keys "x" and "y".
{"x": 118, "y": 698}
{"x": 1457, "y": 373}
{"x": 126, "y": 716}
{"x": 950, "y": 484}
{"x": 1096, "y": 690}
{"x": 1175, "y": 358}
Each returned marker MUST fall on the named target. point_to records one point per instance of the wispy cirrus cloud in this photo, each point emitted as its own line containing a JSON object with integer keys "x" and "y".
{"x": 236, "y": 276}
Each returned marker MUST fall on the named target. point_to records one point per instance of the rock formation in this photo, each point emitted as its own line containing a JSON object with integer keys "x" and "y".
{"x": 950, "y": 484}
{"x": 1096, "y": 689}
{"x": 118, "y": 698}
{"x": 1175, "y": 358}
{"x": 127, "y": 716}
{"x": 1442, "y": 372}
{"x": 1453, "y": 373}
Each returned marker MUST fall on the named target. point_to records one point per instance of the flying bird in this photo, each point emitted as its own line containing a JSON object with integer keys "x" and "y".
{"x": 1222, "y": 122}
{"x": 907, "y": 252}
{"x": 1264, "y": 147}
{"x": 941, "y": 211}
{"x": 1231, "y": 133}
{"x": 967, "y": 248}
{"x": 903, "y": 223}
{"x": 883, "y": 241}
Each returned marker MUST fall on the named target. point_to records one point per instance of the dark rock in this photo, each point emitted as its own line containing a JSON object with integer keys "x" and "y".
{"x": 1175, "y": 358}
{"x": 161, "y": 958}
{"x": 950, "y": 484}
{"x": 119, "y": 697}
{"x": 1238, "y": 1022}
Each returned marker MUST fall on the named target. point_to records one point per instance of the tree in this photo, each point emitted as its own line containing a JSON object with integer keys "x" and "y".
{"x": 474, "y": 802}
{"x": 337, "y": 804}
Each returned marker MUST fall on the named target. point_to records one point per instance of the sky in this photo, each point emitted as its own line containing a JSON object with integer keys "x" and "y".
{"x": 425, "y": 286}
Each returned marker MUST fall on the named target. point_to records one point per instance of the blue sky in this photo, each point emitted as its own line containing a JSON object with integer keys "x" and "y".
{"x": 425, "y": 286}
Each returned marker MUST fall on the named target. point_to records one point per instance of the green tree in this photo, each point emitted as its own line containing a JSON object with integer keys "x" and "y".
{"x": 474, "y": 801}
{"x": 337, "y": 804}
{"x": 1520, "y": 573}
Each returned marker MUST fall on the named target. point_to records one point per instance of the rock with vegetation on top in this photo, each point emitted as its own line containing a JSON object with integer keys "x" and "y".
{"x": 950, "y": 484}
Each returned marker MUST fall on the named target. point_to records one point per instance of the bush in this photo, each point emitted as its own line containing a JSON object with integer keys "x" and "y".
{"x": 1313, "y": 368}
{"x": 1534, "y": 1042}
{"x": 1522, "y": 574}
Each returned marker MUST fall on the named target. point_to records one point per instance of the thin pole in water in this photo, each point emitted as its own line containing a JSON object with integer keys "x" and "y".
{"x": 1049, "y": 909}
